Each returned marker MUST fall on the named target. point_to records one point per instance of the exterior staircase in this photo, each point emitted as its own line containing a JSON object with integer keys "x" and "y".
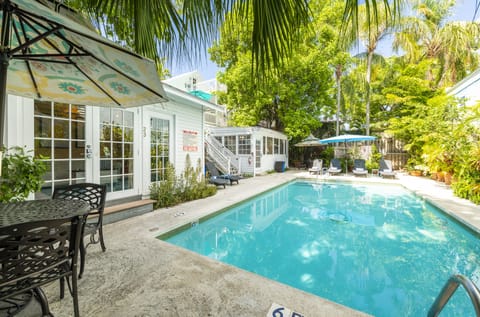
{"x": 224, "y": 159}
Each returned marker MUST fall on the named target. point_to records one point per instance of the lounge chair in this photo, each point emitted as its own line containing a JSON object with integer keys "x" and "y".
{"x": 386, "y": 170}
{"x": 359, "y": 168}
{"x": 218, "y": 181}
{"x": 316, "y": 167}
{"x": 212, "y": 169}
{"x": 335, "y": 166}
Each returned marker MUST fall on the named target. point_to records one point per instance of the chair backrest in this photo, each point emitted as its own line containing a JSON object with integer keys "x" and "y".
{"x": 335, "y": 162}
{"x": 212, "y": 169}
{"x": 359, "y": 164}
{"x": 385, "y": 165}
{"x": 94, "y": 194}
{"x": 317, "y": 163}
{"x": 36, "y": 253}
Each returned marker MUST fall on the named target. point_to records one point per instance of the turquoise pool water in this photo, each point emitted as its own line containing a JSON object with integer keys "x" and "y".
{"x": 375, "y": 248}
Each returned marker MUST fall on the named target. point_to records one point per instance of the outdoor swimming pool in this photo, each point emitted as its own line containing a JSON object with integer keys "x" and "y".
{"x": 375, "y": 248}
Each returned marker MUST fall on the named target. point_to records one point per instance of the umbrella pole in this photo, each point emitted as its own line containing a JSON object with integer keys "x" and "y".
{"x": 3, "y": 100}
{"x": 3, "y": 95}
{"x": 4, "y": 59}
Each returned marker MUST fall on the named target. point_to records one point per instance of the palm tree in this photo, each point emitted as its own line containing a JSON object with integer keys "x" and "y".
{"x": 338, "y": 76}
{"x": 161, "y": 28}
{"x": 427, "y": 36}
{"x": 370, "y": 37}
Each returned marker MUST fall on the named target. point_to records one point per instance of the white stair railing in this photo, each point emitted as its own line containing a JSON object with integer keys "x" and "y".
{"x": 223, "y": 157}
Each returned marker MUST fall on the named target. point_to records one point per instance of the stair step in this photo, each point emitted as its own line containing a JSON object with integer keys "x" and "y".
{"x": 126, "y": 210}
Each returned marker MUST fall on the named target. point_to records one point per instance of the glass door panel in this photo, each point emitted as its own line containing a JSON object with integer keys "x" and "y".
{"x": 59, "y": 139}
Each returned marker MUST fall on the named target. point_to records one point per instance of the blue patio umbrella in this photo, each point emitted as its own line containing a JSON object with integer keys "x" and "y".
{"x": 344, "y": 138}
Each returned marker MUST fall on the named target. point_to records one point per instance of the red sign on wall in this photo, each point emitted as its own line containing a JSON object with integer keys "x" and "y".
{"x": 190, "y": 141}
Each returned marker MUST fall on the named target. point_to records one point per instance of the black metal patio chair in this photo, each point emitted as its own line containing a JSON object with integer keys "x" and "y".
{"x": 33, "y": 254}
{"x": 95, "y": 195}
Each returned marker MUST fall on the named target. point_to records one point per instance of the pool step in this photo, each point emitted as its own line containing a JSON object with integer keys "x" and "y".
{"x": 126, "y": 210}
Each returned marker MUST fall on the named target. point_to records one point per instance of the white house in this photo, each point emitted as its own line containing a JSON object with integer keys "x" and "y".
{"x": 247, "y": 150}
{"x": 468, "y": 89}
{"x": 124, "y": 148}
{"x": 193, "y": 83}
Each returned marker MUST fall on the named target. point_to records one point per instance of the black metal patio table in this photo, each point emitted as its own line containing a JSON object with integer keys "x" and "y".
{"x": 37, "y": 210}
{"x": 39, "y": 242}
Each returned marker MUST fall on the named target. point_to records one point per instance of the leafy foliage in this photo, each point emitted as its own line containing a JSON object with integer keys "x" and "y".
{"x": 21, "y": 175}
{"x": 295, "y": 97}
{"x": 373, "y": 161}
{"x": 170, "y": 29}
{"x": 450, "y": 46}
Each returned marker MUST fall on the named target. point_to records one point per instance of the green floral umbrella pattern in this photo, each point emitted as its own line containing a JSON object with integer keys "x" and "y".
{"x": 51, "y": 57}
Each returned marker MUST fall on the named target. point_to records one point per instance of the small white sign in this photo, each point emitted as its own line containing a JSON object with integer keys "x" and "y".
{"x": 277, "y": 310}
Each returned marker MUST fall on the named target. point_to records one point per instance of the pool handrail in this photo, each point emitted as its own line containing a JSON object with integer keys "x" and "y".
{"x": 449, "y": 288}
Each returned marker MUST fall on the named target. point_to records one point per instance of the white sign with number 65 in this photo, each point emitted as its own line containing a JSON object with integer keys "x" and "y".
{"x": 277, "y": 310}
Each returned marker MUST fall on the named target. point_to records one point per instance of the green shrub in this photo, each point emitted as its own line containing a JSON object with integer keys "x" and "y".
{"x": 466, "y": 182}
{"x": 165, "y": 191}
{"x": 173, "y": 190}
{"x": 21, "y": 175}
{"x": 374, "y": 160}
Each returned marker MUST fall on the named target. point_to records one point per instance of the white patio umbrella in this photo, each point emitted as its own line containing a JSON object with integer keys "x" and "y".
{"x": 309, "y": 141}
{"x": 47, "y": 56}
{"x": 347, "y": 138}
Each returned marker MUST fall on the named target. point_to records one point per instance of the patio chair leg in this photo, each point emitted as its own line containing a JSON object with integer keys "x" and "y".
{"x": 62, "y": 288}
{"x": 82, "y": 257}
{"x": 75, "y": 292}
{"x": 43, "y": 301}
{"x": 100, "y": 234}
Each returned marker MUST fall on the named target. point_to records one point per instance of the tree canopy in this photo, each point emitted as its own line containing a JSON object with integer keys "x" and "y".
{"x": 182, "y": 30}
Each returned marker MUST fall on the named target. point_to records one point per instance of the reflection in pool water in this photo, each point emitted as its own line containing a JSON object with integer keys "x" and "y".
{"x": 375, "y": 248}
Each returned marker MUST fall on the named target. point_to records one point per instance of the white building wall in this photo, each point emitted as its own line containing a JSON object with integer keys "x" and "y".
{"x": 185, "y": 117}
{"x": 184, "y": 120}
{"x": 19, "y": 128}
{"x": 186, "y": 82}
{"x": 467, "y": 89}
{"x": 247, "y": 161}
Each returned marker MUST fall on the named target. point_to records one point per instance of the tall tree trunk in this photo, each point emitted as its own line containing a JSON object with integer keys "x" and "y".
{"x": 338, "y": 75}
{"x": 367, "y": 105}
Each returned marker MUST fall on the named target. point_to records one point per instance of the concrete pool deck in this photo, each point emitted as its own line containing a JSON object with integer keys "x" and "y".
{"x": 140, "y": 275}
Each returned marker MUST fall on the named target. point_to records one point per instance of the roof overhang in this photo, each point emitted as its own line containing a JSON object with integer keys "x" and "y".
{"x": 175, "y": 94}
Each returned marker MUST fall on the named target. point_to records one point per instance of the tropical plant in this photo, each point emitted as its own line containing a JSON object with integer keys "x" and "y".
{"x": 467, "y": 172}
{"x": 373, "y": 161}
{"x": 21, "y": 174}
{"x": 298, "y": 94}
{"x": 173, "y": 189}
{"x": 370, "y": 38}
{"x": 451, "y": 45}
{"x": 179, "y": 29}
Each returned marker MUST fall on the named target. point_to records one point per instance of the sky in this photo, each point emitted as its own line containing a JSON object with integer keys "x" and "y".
{"x": 463, "y": 11}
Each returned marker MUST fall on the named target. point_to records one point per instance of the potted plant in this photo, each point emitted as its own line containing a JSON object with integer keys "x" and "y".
{"x": 430, "y": 156}
{"x": 21, "y": 175}
{"x": 447, "y": 166}
{"x": 416, "y": 167}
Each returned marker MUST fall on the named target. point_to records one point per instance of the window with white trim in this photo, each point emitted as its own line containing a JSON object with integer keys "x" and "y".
{"x": 244, "y": 146}
{"x": 59, "y": 138}
{"x": 116, "y": 149}
{"x": 159, "y": 148}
